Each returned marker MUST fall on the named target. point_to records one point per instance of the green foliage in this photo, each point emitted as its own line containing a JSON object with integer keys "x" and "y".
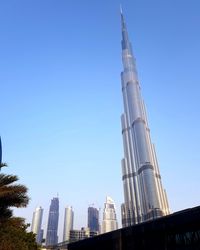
{"x": 13, "y": 236}
{"x": 11, "y": 195}
{"x": 13, "y": 231}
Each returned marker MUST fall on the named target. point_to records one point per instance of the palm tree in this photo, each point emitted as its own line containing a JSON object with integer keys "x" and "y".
{"x": 11, "y": 195}
{"x": 2, "y": 165}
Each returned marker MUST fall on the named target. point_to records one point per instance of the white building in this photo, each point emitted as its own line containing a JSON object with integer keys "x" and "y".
{"x": 36, "y": 224}
{"x": 109, "y": 222}
{"x": 68, "y": 223}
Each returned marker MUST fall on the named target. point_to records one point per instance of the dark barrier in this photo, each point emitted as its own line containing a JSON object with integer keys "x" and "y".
{"x": 178, "y": 231}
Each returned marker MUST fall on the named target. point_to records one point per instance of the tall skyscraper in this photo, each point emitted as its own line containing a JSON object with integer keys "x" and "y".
{"x": 36, "y": 224}
{"x": 144, "y": 196}
{"x": 52, "y": 228}
{"x": 93, "y": 219}
{"x": 109, "y": 222}
{"x": 68, "y": 223}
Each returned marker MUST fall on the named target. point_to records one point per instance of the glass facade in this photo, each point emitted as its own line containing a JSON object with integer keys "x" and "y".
{"x": 144, "y": 195}
{"x": 52, "y": 228}
{"x": 93, "y": 219}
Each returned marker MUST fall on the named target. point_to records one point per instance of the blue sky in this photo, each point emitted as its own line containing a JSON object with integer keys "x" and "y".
{"x": 61, "y": 97}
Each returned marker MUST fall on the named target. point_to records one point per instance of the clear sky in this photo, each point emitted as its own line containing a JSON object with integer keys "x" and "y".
{"x": 61, "y": 99}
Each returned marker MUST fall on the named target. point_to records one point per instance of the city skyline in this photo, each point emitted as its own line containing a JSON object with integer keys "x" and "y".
{"x": 66, "y": 124}
{"x": 93, "y": 223}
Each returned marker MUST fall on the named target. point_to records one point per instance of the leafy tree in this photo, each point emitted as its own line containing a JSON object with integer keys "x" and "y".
{"x": 13, "y": 236}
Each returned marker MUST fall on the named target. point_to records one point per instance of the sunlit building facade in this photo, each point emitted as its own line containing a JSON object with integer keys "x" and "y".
{"x": 109, "y": 222}
{"x": 144, "y": 196}
{"x": 37, "y": 223}
{"x": 68, "y": 223}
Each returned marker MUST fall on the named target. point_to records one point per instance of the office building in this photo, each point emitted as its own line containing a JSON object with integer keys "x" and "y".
{"x": 68, "y": 223}
{"x": 93, "y": 219}
{"x": 109, "y": 222}
{"x": 52, "y": 227}
{"x": 37, "y": 223}
{"x": 84, "y": 233}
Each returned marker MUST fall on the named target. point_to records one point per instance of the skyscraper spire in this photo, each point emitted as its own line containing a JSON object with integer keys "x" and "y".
{"x": 144, "y": 197}
{"x": 120, "y": 7}
{"x": 125, "y": 40}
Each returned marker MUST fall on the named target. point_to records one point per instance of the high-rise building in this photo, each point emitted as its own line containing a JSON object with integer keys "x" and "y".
{"x": 84, "y": 233}
{"x": 36, "y": 224}
{"x": 68, "y": 223}
{"x": 144, "y": 196}
{"x": 93, "y": 219}
{"x": 52, "y": 227}
{"x": 109, "y": 222}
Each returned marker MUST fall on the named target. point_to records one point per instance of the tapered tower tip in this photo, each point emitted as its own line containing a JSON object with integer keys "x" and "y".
{"x": 120, "y": 7}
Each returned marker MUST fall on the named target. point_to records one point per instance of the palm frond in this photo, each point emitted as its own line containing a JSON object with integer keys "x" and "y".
{"x": 5, "y": 213}
{"x": 3, "y": 165}
{"x": 11, "y": 195}
{"x": 15, "y": 195}
{"x": 6, "y": 179}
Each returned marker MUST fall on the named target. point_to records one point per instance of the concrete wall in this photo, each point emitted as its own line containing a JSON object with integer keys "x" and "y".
{"x": 179, "y": 231}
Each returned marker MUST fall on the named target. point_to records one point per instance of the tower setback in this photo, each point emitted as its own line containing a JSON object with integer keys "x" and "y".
{"x": 144, "y": 196}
